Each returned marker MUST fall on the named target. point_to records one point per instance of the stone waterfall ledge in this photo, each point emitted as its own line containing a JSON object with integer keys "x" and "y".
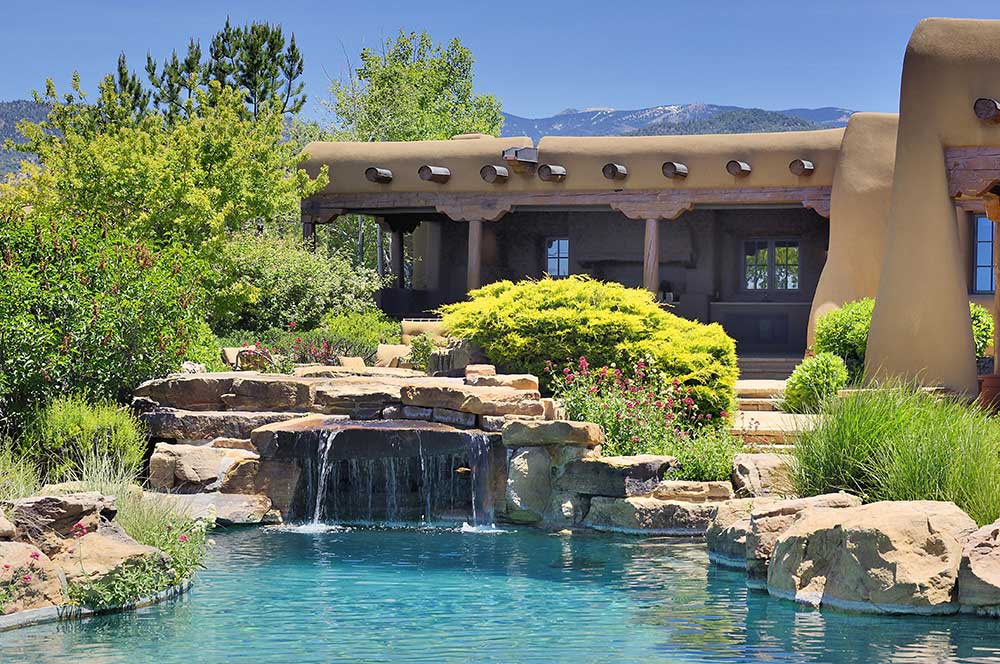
{"x": 202, "y": 426}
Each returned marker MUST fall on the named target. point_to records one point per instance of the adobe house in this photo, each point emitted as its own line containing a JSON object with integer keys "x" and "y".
{"x": 759, "y": 232}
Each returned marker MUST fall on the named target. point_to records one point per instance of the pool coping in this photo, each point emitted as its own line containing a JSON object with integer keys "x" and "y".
{"x": 66, "y": 612}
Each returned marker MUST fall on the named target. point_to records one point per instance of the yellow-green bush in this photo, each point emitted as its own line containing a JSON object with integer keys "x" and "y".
{"x": 523, "y": 325}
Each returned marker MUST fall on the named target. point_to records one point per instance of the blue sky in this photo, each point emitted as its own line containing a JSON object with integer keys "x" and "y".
{"x": 538, "y": 57}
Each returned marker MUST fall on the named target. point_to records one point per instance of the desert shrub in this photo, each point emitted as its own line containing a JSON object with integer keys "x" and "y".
{"x": 523, "y": 325}
{"x": 355, "y": 334}
{"x": 816, "y": 379}
{"x": 902, "y": 443}
{"x": 71, "y": 431}
{"x": 268, "y": 282}
{"x": 18, "y": 477}
{"x": 844, "y": 332}
{"x": 982, "y": 328}
{"x": 705, "y": 456}
{"x": 421, "y": 347}
{"x": 86, "y": 311}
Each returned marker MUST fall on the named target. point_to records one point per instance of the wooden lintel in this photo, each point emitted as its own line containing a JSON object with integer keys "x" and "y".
{"x": 639, "y": 204}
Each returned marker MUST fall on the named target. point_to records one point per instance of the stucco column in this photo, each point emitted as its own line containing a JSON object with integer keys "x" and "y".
{"x": 426, "y": 256}
{"x": 474, "y": 279}
{"x": 397, "y": 258}
{"x": 651, "y": 257}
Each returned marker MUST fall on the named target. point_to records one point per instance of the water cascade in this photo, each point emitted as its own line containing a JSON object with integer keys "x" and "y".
{"x": 385, "y": 472}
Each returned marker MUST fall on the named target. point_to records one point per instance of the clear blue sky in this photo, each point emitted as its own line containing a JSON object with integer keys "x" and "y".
{"x": 538, "y": 57}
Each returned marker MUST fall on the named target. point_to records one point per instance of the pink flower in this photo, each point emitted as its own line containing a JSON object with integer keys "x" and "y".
{"x": 723, "y": 414}
{"x": 26, "y": 579}
{"x": 35, "y": 555}
{"x": 292, "y": 325}
{"x": 583, "y": 363}
{"x": 6, "y": 565}
{"x": 635, "y": 439}
{"x": 182, "y": 538}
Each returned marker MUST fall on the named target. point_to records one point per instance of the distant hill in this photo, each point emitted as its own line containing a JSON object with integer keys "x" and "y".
{"x": 739, "y": 121}
{"x": 12, "y": 112}
{"x": 611, "y": 122}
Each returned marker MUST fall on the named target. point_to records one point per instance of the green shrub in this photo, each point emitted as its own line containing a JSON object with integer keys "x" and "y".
{"x": 269, "y": 282}
{"x": 902, "y": 443}
{"x": 844, "y": 332}
{"x": 982, "y": 328}
{"x": 421, "y": 347}
{"x": 523, "y": 325}
{"x": 816, "y": 379}
{"x": 71, "y": 431}
{"x": 86, "y": 311}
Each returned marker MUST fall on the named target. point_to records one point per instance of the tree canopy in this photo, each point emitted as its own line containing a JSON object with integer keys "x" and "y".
{"x": 413, "y": 89}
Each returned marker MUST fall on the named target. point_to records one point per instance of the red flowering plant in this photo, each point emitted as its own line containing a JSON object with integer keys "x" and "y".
{"x": 643, "y": 412}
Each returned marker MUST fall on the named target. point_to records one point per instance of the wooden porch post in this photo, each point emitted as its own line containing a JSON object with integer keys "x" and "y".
{"x": 651, "y": 256}
{"x": 397, "y": 258}
{"x": 474, "y": 277}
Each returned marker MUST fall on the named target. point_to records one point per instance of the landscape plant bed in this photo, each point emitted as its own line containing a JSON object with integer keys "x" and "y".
{"x": 67, "y": 612}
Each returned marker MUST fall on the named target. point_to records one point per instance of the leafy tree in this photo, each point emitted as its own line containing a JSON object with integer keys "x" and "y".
{"x": 413, "y": 90}
{"x": 410, "y": 90}
{"x": 254, "y": 58}
{"x": 166, "y": 184}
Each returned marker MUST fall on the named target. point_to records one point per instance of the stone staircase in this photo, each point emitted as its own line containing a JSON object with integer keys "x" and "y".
{"x": 767, "y": 368}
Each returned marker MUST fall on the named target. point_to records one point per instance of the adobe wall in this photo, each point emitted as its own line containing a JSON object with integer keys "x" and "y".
{"x": 921, "y": 326}
{"x": 859, "y": 214}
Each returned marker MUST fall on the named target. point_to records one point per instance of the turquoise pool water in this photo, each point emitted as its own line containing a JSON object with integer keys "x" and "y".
{"x": 440, "y": 596}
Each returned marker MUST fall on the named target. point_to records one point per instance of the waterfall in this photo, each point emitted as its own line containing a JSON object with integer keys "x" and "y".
{"x": 479, "y": 461}
{"x": 325, "y": 444}
{"x": 406, "y": 480}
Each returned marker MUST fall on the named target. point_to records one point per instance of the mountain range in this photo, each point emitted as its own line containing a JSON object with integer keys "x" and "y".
{"x": 656, "y": 120}
{"x": 668, "y": 119}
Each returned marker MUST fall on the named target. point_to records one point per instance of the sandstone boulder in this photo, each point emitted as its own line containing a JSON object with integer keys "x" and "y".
{"x": 356, "y": 396}
{"x": 474, "y": 371}
{"x": 769, "y": 521}
{"x": 204, "y": 425}
{"x": 529, "y": 485}
{"x": 228, "y": 509}
{"x": 194, "y": 468}
{"x": 647, "y": 515}
{"x": 47, "y": 521}
{"x": 453, "y": 417}
{"x": 271, "y": 392}
{"x": 7, "y": 530}
{"x": 189, "y": 391}
{"x": 889, "y": 557}
{"x": 615, "y": 477}
{"x": 979, "y": 574}
{"x": 472, "y": 399}
{"x": 30, "y": 577}
{"x": 693, "y": 492}
{"x": 107, "y": 551}
{"x": 515, "y": 381}
{"x": 726, "y": 537}
{"x": 523, "y": 433}
{"x": 762, "y": 475}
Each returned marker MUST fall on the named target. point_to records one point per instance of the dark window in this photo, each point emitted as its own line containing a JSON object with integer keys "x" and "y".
{"x": 771, "y": 265}
{"x": 756, "y": 259}
{"x": 557, "y": 257}
{"x": 983, "y": 280}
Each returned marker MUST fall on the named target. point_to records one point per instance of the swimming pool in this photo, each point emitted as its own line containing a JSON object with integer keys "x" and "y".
{"x": 516, "y": 597}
